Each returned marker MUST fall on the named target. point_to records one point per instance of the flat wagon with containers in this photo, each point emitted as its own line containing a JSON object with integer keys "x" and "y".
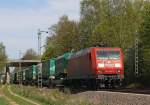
{"x": 48, "y": 71}
{"x": 93, "y": 68}
{"x": 30, "y": 75}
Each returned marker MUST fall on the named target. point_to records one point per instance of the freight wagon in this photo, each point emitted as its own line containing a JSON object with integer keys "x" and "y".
{"x": 61, "y": 69}
{"x": 13, "y": 77}
{"x": 30, "y": 75}
{"x": 61, "y": 65}
{"x": 48, "y": 71}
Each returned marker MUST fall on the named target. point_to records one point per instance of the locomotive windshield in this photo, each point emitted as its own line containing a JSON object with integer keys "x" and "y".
{"x": 108, "y": 54}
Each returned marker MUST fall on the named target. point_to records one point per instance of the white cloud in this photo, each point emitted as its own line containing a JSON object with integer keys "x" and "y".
{"x": 18, "y": 28}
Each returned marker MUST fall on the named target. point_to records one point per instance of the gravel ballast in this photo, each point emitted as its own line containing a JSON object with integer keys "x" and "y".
{"x": 113, "y": 98}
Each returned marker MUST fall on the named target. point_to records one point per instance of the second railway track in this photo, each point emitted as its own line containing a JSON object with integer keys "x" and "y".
{"x": 114, "y": 98}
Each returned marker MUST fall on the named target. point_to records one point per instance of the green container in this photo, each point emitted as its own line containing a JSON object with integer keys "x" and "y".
{"x": 15, "y": 77}
{"x": 48, "y": 68}
{"x": 37, "y": 70}
{"x": 30, "y": 73}
{"x": 24, "y": 75}
{"x": 61, "y": 65}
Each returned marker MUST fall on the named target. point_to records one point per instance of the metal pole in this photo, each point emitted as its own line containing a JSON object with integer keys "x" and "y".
{"x": 39, "y": 42}
{"x": 39, "y": 75}
{"x": 136, "y": 56}
{"x": 20, "y": 75}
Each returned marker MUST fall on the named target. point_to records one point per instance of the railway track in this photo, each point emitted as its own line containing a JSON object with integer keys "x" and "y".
{"x": 145, "y": 91}
{"x": 114, "y": 97}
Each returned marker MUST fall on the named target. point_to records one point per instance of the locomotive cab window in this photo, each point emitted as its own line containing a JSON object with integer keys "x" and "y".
{"x": 108, "y": 54}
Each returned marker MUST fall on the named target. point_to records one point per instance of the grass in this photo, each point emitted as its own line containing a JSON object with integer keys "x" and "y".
{"x": 14, "y": 98}
{"x": 3, "y": 101}
{"x": 47, "y": 96}
{"x": 134, "y": 86}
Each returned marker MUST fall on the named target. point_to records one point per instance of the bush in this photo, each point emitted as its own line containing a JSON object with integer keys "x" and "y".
{"x": 47, "y": 96}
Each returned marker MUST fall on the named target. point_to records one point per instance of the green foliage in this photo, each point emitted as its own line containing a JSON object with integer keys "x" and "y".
{"x": 90, "y": 16}
{"x": 134, "y": 86}
{"x": 30, "y": 55}
{"x": 14, "y": 98}
{"x": 113, "y": 23}
{"x": 64, "y": 38}
{"x": 145, "y": 45}
{"x": 3, "y": 101}
{"x": 48, "y": 97}
{"x": 3, "y": 57}
{"x": 145, "y": 27}
{"x": 129, "y": 66}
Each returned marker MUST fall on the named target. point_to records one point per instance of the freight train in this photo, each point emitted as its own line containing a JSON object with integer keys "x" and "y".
{"x": 92, "y": 68}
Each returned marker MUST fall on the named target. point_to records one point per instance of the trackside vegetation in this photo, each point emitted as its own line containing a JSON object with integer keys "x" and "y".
{"x": 3, "y": 101}
{"x": 48, "y": 96}
{"x": 3, "y": 56}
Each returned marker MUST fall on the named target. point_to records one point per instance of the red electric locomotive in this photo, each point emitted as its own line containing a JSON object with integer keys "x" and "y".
{"x": 96, "y": 67}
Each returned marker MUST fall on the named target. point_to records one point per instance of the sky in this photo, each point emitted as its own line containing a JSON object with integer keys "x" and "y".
{"x": 20, "y": 20}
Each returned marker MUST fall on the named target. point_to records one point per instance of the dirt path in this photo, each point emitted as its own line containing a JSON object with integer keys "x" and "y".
{"x": 10, "y": 101}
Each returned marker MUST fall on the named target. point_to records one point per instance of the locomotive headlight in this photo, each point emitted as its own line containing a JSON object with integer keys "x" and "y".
{"x": 117, "y": 65}
{"x": 100, "y": 65}
{"x": 118, "y": 71}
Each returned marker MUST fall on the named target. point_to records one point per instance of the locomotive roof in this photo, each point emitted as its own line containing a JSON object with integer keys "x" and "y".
{"x": 64, "y": 55}
{"x": 81, "y": 52}
{"x": 87, "y": 50}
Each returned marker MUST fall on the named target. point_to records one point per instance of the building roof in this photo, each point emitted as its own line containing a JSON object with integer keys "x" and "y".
{"x": 23, "y": 63}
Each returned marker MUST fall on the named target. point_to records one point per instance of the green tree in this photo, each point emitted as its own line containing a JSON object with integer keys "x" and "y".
{"x": 3, "y": 57}
{"x": 64, "y": 38}
{"x": 111, "y": 21}
{"x": 144, "y": 50}
{"x": 30, "y": 55}
{"x": 91, "y": 15}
